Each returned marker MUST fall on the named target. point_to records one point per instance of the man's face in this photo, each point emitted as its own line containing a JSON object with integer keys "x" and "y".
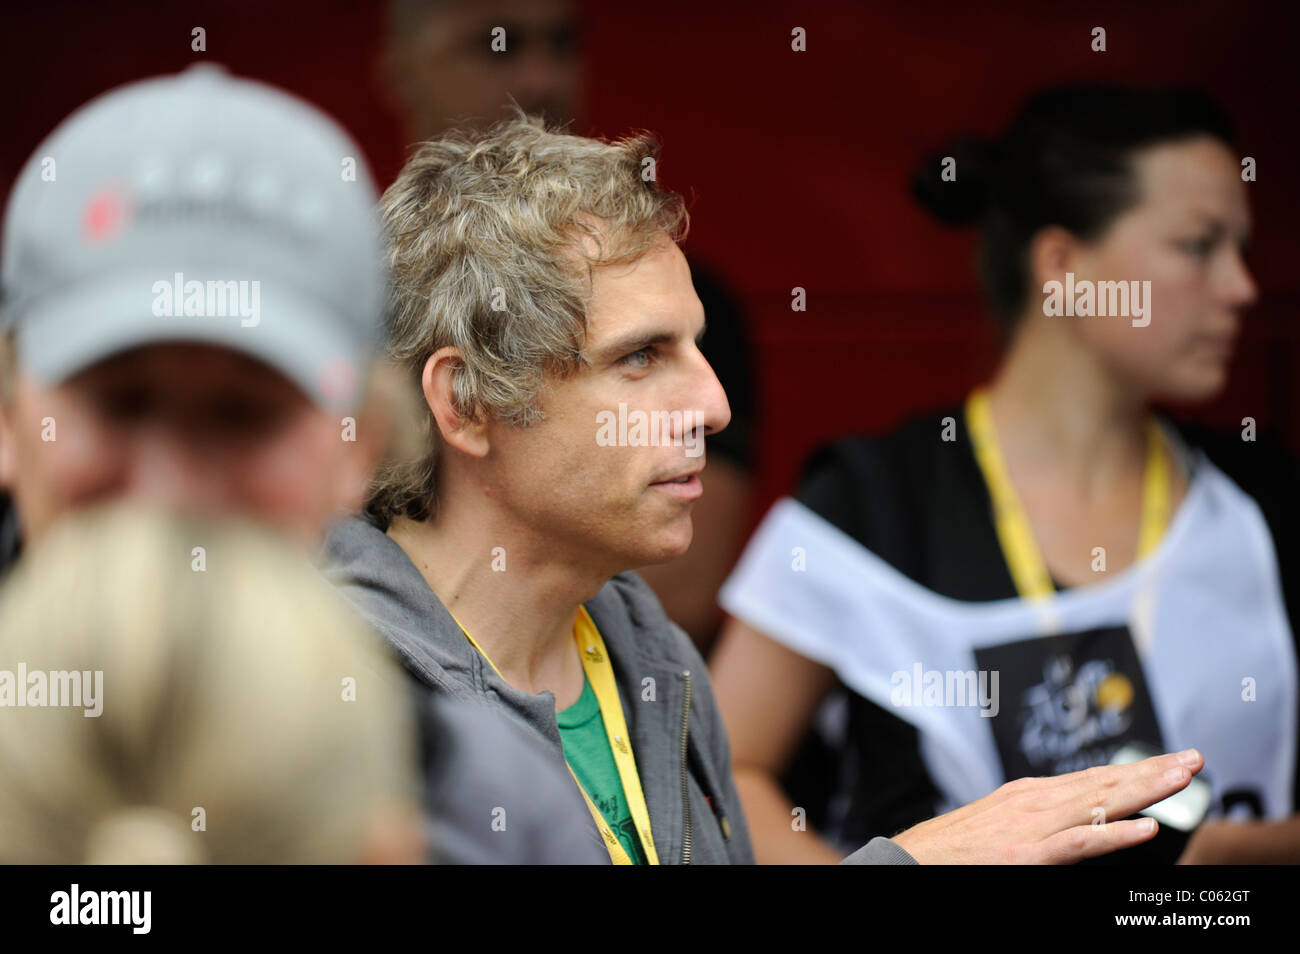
{"x": 603, "y": 492}
{"x": 445, "y": 71}
{"x": 190, "y": 426}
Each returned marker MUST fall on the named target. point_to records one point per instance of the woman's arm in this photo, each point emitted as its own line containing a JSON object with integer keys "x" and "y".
{"x": 768, "y": 695}
{"x": 1243, "y": 843}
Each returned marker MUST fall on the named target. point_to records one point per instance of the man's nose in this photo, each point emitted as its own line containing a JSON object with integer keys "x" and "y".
{"x": 167, "y": 470}
{"x": 708, "y": 399}
{"x": 1240, "y": 288}
{"x": 541, "y": 78}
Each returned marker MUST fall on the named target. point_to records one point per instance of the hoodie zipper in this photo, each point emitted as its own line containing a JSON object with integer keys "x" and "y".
{"x": 686, "y": 794}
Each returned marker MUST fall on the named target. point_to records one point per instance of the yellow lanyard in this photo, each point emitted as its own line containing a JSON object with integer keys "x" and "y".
{"x": 1014, "y": 532}
{"x": 600, "y": 673}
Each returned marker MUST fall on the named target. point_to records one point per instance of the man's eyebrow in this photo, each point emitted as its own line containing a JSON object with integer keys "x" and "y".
{"x": 634, "y": 341}
{"x": 1211, "y": 219}
{"x": 1220, "y": 224}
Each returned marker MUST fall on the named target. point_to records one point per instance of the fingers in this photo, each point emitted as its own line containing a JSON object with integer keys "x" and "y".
{"x": 1089, "y": 841}
{"x": 1121, "y": 790}
{"x": 1057, "y": 820}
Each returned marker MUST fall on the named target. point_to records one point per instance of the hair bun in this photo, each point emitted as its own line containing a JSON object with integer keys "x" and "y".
{"x": 143, "y": 835}
{"x": 962, "y": 196}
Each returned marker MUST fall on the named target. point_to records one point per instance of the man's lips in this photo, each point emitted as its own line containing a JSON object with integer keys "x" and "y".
{"x": 1221, "y": 344}
{"x": 680, "y": 476}
{"x": 686, "y": 485}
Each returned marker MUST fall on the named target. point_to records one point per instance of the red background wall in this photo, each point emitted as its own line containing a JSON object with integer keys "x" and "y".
{"x": 796, "y": 162}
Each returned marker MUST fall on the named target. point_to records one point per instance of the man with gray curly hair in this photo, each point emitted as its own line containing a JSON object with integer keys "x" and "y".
{"x": 545, "y": 315}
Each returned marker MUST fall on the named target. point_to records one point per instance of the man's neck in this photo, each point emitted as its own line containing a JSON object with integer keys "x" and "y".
{"x": 514, "y": 594}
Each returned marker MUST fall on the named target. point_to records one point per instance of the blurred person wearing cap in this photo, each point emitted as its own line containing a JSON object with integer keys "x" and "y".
{"x": 171, "y": 745}
{"x": 539, "y": 296}
{"x": 440, "y": 68}
{"x": 192, "y": 297}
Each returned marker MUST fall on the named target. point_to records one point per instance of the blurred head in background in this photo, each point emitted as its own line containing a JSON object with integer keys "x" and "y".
{"x": 193, "y": 295}
{"x": 454, "y": 62}
{"x": 242, "y": 716}
{"x": 1112, "y": 184}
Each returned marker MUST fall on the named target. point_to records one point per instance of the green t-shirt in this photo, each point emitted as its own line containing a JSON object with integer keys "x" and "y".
{"x": 586, "y": 748}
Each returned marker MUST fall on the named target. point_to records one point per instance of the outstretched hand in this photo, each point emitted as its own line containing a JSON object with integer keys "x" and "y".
{"x": 1053, "y": 820}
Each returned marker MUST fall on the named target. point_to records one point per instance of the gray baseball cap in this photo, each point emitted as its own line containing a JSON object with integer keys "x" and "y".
{"x": 204, "y": 208}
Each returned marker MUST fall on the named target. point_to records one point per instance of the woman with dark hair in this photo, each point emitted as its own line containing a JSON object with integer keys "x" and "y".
{"x": 1050, "y": 575}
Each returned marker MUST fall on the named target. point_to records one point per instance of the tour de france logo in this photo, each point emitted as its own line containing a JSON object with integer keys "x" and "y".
{"x": 1074, "y": 712}
{"x": 1076, "y": 698}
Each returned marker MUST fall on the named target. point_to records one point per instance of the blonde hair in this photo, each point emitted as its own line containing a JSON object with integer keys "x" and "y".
{"x": 226, "y": 733}
{"x": 488, "y": 235}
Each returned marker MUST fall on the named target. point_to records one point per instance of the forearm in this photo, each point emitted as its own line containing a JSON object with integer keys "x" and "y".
{"x": 770, "y": 814}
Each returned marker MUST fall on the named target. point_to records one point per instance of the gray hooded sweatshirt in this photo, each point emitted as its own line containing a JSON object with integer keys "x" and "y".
{"x": 677, "y": 733}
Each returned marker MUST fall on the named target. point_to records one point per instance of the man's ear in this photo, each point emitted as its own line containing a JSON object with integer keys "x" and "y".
{"x": 468, "y": 435}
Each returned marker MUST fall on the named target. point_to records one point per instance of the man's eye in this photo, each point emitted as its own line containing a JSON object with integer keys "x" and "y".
{"x": 638, "y": 359}
{"x": 564, "y": 41}
{"x": 127, "y": 404}
{"x": 1198, "y": 247}
{"x": 244, "y": 418}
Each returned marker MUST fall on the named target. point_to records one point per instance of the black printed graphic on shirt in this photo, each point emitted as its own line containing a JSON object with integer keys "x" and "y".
{"x": 625, "y": 829}
{"x": 1068, "y": 702}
